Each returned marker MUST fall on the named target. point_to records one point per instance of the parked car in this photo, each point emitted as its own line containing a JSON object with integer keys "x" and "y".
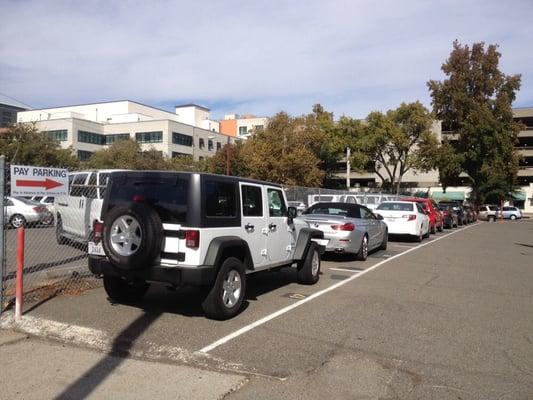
{"x": 511, "y": 213}
{"x": 436, "y": 222}
{"x": 20, "y": 211}
{"x": 300, "y": 206}
{"x": 449, "y": 216}
{"x": 48, "y": 202}
{"x": 372, "y": 200}
{"x": 473, "y": 213}
{"x": 488, "y": 212}
{"x": 350, "y": 228}
{"x": 457, "y": 207}
{"x": 211, "y": 231}
{"x": 405, "y": 218}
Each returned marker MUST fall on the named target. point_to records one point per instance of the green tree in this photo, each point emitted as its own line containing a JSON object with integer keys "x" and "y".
{"x": 127, "y": 154}
{"x": 218, "y": 164}
{"x": 394, "y": 143}
{"x": 286, "y": 151}
{"x": 474, "y": 101}
{"x": 24, "y": 144}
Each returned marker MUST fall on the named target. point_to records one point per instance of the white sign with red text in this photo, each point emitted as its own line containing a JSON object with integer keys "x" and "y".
{"x": 38, "y": 181}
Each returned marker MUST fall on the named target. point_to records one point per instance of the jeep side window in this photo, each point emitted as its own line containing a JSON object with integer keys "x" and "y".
{"x": 220, "y": 199}
{"x": 252, "y": 203}
{"x": 90, "y": 190}
{"x": 276, "y": 204}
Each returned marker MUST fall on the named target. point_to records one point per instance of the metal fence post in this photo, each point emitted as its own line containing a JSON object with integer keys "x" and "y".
{"x": 2, "y": 232}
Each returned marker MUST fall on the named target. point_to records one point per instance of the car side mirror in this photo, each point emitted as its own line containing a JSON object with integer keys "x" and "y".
{"x": 292, "y": 213}
{"x": 379, "y": 217}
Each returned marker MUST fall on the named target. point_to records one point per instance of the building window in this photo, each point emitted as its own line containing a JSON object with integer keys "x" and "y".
{"x": 59, "y": 135}
{"x": 200, "y": 158}
{"x": 243, "y": 130}
{"x": 180, "y": 138}
{"x": 219, "y": 146}
{"x": 91, "y": 137}
{"x": 201, "y": 143}
{"x": 209, "y": 145}
{"x": 116, "y": 137}
{"x": 176, "y": 154}
{"x": 149, "y": 137}
{"x": 258, "y": 127}
{"x": 84, "y": 155}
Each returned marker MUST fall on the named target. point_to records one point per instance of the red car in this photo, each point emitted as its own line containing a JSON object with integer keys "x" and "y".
{"x": 436, "y": 221}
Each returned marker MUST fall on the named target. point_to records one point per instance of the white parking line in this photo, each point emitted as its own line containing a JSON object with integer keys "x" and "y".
{"x": 344, "y": 270}
{"x": 285, "y": 310}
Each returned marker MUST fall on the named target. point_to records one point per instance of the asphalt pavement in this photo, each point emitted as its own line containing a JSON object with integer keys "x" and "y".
{"x": 450, "y": 318}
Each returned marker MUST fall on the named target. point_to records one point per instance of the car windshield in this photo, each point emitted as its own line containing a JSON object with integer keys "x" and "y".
{"x": 396, "y": 207}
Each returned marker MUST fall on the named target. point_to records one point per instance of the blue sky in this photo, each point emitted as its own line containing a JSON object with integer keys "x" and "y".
{"x": 256, "y": 57}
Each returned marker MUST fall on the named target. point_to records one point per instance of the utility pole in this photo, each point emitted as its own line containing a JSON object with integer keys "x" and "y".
{"x": 348, "y": 165}
{"x": 228, "y": 161}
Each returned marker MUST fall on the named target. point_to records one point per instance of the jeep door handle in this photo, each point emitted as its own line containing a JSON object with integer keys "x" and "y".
{"x": 249, "y": 227}
{"x": 272, "y": 226}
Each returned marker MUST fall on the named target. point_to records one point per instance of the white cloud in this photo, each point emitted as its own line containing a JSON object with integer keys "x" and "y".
{"x": 246, "y": 56}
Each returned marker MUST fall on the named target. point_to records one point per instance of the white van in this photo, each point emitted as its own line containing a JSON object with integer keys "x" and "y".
{"x": 328, "y": 198}
{"x": 76, "y": 212}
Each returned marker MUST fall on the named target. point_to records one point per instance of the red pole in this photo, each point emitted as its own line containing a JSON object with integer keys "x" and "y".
{"x": 20, "y": 270}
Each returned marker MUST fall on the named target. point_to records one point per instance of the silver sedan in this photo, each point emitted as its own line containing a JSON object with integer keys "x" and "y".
{"x": 350, "y": 228}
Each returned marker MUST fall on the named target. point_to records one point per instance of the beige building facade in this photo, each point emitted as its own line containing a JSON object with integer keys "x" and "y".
{"x": 90, "y": 127}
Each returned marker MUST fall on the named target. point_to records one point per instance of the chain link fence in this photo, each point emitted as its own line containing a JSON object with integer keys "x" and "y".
{"x": 55, "y": 251}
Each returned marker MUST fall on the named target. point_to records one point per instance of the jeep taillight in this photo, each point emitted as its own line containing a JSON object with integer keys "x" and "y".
{"x": 192, "y": 239}
{"x": 344, "y": 227}
{"x": 98, "y": 229}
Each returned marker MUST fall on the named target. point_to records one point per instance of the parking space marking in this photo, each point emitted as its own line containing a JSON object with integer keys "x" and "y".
{"x": 285, "y": 310}
{"x": 344, "y": 270}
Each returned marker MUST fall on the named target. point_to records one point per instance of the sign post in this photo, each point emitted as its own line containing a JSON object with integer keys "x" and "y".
{"x": 38, "y": 181}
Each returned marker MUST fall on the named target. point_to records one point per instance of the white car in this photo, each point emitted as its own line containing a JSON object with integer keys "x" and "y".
{"x": 20, "y": 211}
{"x": 329, "y": 198}
{"x": 404, "y": 218}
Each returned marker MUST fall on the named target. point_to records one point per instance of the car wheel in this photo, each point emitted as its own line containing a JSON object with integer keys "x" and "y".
{"x": 491, "y": 218}
{"x": 419, "y": 237}
{"x": 225, "y": 298}
{"x": 427, "y": 234}
{"x": 17, "y": 221}
{"x": 513, "y": 217}
{"x": 123, "y": 291}
{"x": 48, "y": 219}
{"x": 385, "y": 241}
{"x": 362, "y": 254}
{"x": 309, "y": 268}
{"x": 59, "y": 232}
{"x": 441, "y": 227}
{"x": 434, "y": 229}
{"x": 132, "y": 236}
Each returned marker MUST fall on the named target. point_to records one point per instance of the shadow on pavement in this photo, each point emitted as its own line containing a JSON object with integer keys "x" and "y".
{"x": 124, "y": 341}
{"x": 525, "y": 245}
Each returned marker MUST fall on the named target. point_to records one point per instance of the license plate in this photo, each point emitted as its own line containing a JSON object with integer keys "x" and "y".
{"x": 96, "y": 249}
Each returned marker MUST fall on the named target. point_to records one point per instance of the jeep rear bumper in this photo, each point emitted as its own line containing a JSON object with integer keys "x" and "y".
{"x": 175, "y": 276}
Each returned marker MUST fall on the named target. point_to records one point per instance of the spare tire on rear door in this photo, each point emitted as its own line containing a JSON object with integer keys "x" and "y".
{"x": 132, "y": 236}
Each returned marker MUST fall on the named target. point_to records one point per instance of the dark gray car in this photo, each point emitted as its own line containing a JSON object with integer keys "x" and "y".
{"x": 350, "y": 228}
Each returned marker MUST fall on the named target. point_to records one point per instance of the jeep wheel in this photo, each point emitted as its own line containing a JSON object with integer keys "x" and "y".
{"x": 122, "y": 291}
{"x": 309, "y": 267}
{"x": 362, "y": 254}
{"x": 132, "y": 236}
{"x": 225, "y": 298}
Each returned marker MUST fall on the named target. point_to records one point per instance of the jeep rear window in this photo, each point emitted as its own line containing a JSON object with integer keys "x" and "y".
{"x": 169, "y": 197}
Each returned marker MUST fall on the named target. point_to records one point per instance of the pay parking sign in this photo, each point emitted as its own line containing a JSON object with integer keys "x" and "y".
{"x": 38, "y": 181}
